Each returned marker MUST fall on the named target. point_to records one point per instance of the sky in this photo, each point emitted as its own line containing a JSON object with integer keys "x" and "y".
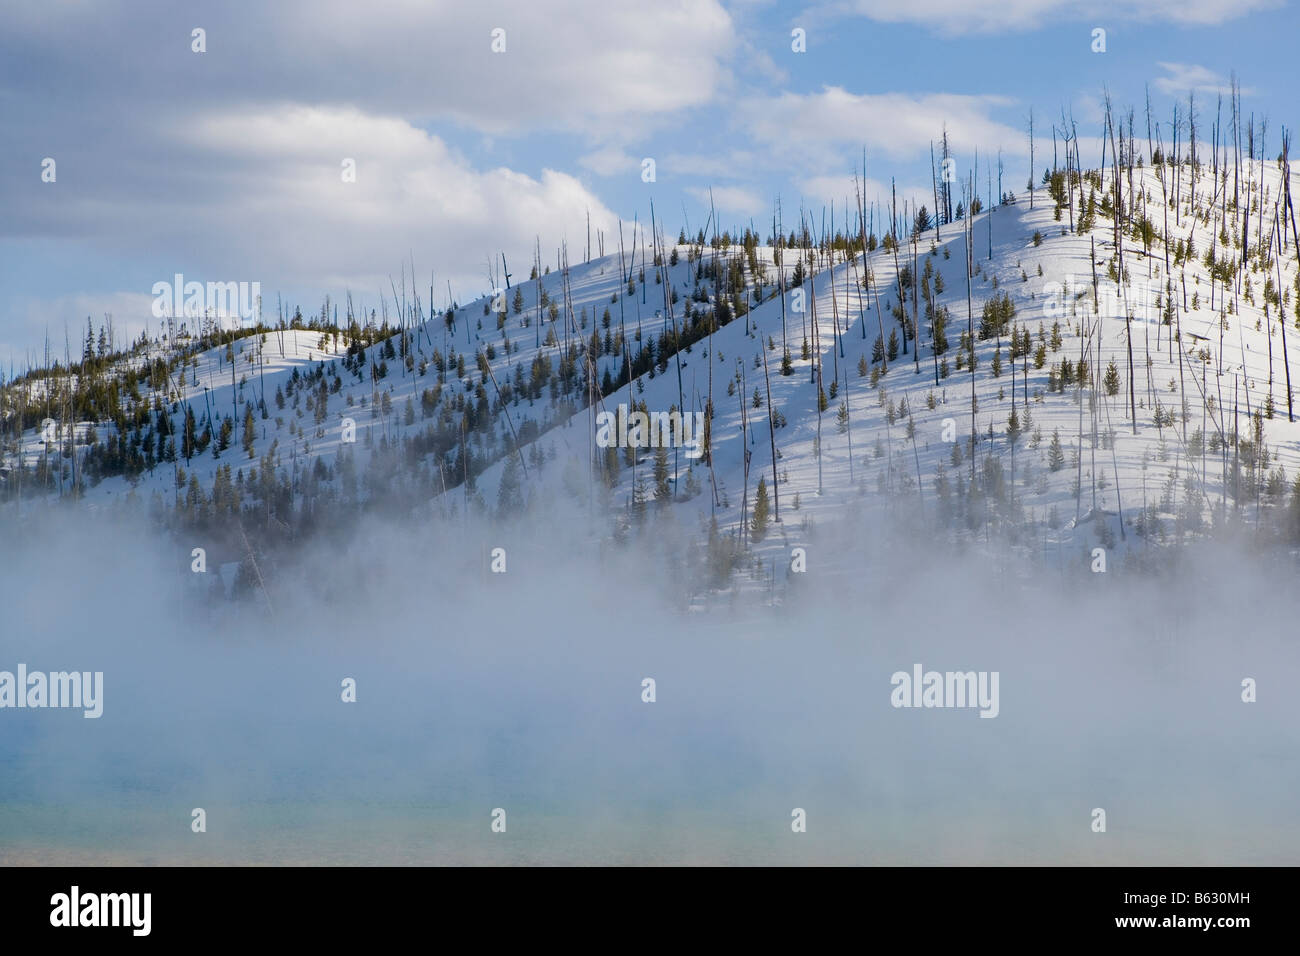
{"x": 233, "y": 164}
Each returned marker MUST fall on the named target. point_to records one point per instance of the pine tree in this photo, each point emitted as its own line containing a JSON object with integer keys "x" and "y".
{"x": 639, "y": 500}
{"x": 1111, "y": 380}
{"x": 692, "y": 484}
{"x": 758, "y": 523}
{"x": 663, "y": 491}
{"x": 322, "y": 403}
{"x": 1295, "y": 510}
{"x": 250, "y": 430}
{"x": 508, "y": 502}
{"x": 188, "y": 435}
{"x": 1055, "y": 454}
{"x": 196, "y": 501}
{"x": 922, "y": 222}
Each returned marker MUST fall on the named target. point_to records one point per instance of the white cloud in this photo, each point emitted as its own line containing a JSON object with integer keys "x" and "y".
{"x": 260, "y": 197}
{"x": 835, "y": 190}
{"x": 736, "y": 200}
{"x": 976, "y": 16}
{"x": 1182, "y": 78}
{"x": 411, "y": 191}
{"x": 900, "y": 125}
{"x": 610, "y": 161}
{"x": 1088, "y": 109}
{"x": 722, "y": 165}
{"x": 31, "y": 318}
{"x": 567, "y": 64}
{"x": 229, "y": 162}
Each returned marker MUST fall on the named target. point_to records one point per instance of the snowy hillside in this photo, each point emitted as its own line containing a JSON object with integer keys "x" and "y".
{"x": 1186, "y": 351}
{"x": 1204, "y": 362}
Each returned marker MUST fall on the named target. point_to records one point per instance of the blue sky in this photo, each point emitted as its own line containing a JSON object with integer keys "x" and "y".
{"x": 225, "y": 165}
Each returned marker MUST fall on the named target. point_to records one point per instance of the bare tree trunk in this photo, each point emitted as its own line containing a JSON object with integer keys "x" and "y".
{"x": 1286, "y": 362}
{"x": 1031, "y": 157}
{"x": 898, "y": 273}
{"x": 934, "y": 188}
{"x": 916, "y": 319}
{"x": 771, "y": 431}
{"x": 970, "y": 326}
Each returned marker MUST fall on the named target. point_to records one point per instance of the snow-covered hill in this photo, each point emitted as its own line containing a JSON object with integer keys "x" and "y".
{"x": 424, "y": 413}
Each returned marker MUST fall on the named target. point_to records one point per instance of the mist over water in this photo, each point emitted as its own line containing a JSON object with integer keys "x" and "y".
{"x": 523, "y": 691}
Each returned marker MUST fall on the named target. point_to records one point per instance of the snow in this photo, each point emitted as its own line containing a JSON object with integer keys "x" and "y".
{"x": 1245, "y": 363}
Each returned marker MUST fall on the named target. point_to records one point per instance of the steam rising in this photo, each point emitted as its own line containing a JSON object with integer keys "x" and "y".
{"x": 522, "y": 691}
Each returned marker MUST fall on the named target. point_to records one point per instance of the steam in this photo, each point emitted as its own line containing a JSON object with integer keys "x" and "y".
{"x": 523, "y": 691}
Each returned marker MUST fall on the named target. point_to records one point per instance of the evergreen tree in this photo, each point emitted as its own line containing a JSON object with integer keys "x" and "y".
{"x": 758, "y": 522}
{"x": 663, "y": 491}
{"x": 1055, "y": 454}
{"x": 922, "y": 222}
{"x": 508, "y": 500}
{"x": 1111, "y": 380}
{"x": 692, "y": 484}
{"x": 188, "y": 435}
{"x": 611, "y": 464}
{"x": 322, "y": 403}
{"x": 250, "y": 430}
{"x": 639, "y": 500}
{"x": 195, "y": 501}
{"x": 1295, "y": 511}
